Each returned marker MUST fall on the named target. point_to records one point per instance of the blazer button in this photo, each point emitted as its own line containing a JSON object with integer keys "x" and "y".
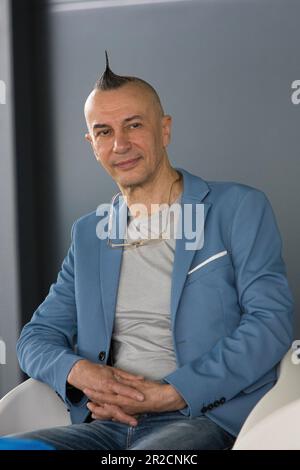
{"x": 102, "y": 355}
{"x": 210, "y": 406}
{"x": 216, "y": 403}
{"x": 204, "y": 409}
{"x": 222, "y": 400}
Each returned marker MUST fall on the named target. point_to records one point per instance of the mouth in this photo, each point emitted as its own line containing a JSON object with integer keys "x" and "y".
{"x": 128, "y": 163}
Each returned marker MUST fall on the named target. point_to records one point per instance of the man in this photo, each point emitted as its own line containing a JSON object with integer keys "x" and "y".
{"x": 156, "y": 346}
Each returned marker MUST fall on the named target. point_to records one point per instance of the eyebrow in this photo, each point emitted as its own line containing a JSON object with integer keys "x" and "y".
{"x": 136, "y": 116}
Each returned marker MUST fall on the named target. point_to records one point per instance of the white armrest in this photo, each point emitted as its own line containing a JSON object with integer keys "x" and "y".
{"x": 29, "y": 406}
{"x": 278, "y": 431}
{"x": 285, "y": 392}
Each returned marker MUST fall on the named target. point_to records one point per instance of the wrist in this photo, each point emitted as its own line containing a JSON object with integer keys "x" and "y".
{"x": 76, "y": 374}
{"x": 173, "y": 401}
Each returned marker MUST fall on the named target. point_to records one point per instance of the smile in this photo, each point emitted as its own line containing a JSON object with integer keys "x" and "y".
{"x": 128, "y": 163}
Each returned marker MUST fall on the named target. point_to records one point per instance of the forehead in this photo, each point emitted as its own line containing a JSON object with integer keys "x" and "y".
{"x": 119, "y": 103}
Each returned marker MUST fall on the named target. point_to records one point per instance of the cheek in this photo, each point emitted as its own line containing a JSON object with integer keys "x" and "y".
{"x": 101, "y": 152}
{"x": 148, "y": 146}
{"x": 158, "y": 141}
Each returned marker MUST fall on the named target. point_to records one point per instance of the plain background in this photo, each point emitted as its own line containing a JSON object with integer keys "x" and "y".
{"x": 223, "y": 70}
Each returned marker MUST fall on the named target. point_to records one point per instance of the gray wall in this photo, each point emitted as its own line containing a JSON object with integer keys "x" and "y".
{"x": 223, "y": 70}
{"x": 9, "y": 286}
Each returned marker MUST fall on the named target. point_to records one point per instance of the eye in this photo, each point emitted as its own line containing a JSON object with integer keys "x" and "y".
{"x": 103, "y": 133}
{"x": 136, "y": 125}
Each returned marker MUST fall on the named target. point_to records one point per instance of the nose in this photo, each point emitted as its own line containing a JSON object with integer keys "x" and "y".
{"x": 121, "y": 143}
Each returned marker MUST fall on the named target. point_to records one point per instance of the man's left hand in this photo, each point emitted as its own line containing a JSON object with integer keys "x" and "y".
{"x": 158, "y": 398}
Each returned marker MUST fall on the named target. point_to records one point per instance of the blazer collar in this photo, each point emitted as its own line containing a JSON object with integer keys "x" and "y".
{"x": 195, "y": 189}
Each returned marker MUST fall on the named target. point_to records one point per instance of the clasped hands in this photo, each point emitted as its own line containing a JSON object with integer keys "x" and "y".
{"x": 118, "y": 395}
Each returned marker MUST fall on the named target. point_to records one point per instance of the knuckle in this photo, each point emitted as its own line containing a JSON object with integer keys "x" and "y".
{"x": 104, "y": 382}
{"x": 126, "y": 389}
{"x": 110, "y": 383}
{"x": 105, "y": 414}
{"x": 113, "y": 406}
{"x": 98, "y": 409}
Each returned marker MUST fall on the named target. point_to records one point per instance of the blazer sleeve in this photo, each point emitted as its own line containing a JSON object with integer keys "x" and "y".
{"x": 45, "y": 348}
{"x": 265, "y": 331}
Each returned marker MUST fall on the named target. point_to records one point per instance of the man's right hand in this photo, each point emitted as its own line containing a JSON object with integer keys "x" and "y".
{"x": 102, "y": 378}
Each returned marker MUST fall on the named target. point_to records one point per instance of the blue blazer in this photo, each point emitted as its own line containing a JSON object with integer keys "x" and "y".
{"x": 231, "y": 316}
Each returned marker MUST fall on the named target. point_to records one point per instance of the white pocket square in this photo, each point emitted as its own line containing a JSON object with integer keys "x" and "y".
{"x": 208, "y": 260}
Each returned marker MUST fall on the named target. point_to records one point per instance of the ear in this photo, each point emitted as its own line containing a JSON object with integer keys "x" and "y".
{"x": 166, "y": 129}
{"x": 90, "y": 140}
{"x": 88, "y": 137}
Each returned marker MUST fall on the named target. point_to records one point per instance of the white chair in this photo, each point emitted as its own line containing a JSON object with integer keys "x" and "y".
{"x": 272, "y": 422}
{"x": 278, "y": 431}
{"x": 29, "y": 406}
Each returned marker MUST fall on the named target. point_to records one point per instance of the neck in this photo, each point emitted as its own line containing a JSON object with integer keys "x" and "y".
{"x": 160, "y": 188}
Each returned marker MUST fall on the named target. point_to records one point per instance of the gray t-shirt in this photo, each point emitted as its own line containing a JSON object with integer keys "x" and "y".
{"x": 142, "y": 340}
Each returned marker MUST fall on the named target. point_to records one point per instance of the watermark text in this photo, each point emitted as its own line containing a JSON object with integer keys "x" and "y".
{"x": 295, "y": 96}
{"x": 296, "y": 352}
{"x": 2, "y": 92}
{"x": 178, "y": 221}
{"x": 2, "y": 351}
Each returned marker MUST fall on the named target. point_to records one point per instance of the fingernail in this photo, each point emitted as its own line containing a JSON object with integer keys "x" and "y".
{"x": 140, "y": 397}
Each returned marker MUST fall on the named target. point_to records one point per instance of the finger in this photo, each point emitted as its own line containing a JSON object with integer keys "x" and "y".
{"x": 128, "y": 375}
{"x": 120, "y": 415}
{"x": 92, "y": 406}
{"x": 110, "y": 398}
{"x": 133, "y": 380}
{"x": 99, "y": 412}
{"x": 127, "y": 381}
{"x": 114, "y": 413}
{"x": 127, "y": 391}
{"x": 100, "y": 398}
{"x": 119, "y": 389}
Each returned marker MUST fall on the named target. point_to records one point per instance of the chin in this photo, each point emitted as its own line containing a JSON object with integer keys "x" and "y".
{"x": 134, "y": 175}
{"x": 130, "y": 180}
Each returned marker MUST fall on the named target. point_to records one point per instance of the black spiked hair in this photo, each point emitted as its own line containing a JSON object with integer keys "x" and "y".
{"x": 110, "y": 81}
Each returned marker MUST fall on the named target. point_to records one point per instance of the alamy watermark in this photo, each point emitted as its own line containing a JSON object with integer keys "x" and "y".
{"x": 295, "y": 96}
{"x": 178, "y": 221}
{"x": 296, "y": 352}
{"x": 2, "y": 351}
{"x": 2, "y": 92}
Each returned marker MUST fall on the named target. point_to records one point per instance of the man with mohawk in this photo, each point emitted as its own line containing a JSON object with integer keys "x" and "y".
{"x": 174, "y": 346}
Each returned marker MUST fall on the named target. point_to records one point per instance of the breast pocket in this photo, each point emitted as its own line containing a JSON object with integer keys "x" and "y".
{"x": 208, "y": 265}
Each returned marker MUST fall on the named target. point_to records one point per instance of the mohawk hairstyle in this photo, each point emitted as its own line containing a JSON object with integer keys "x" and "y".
{"x": 110, "y": 81}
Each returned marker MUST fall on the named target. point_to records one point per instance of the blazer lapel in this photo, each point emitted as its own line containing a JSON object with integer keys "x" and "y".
{"x": 110, "y": 263}
{"x": 194, "y": 190}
